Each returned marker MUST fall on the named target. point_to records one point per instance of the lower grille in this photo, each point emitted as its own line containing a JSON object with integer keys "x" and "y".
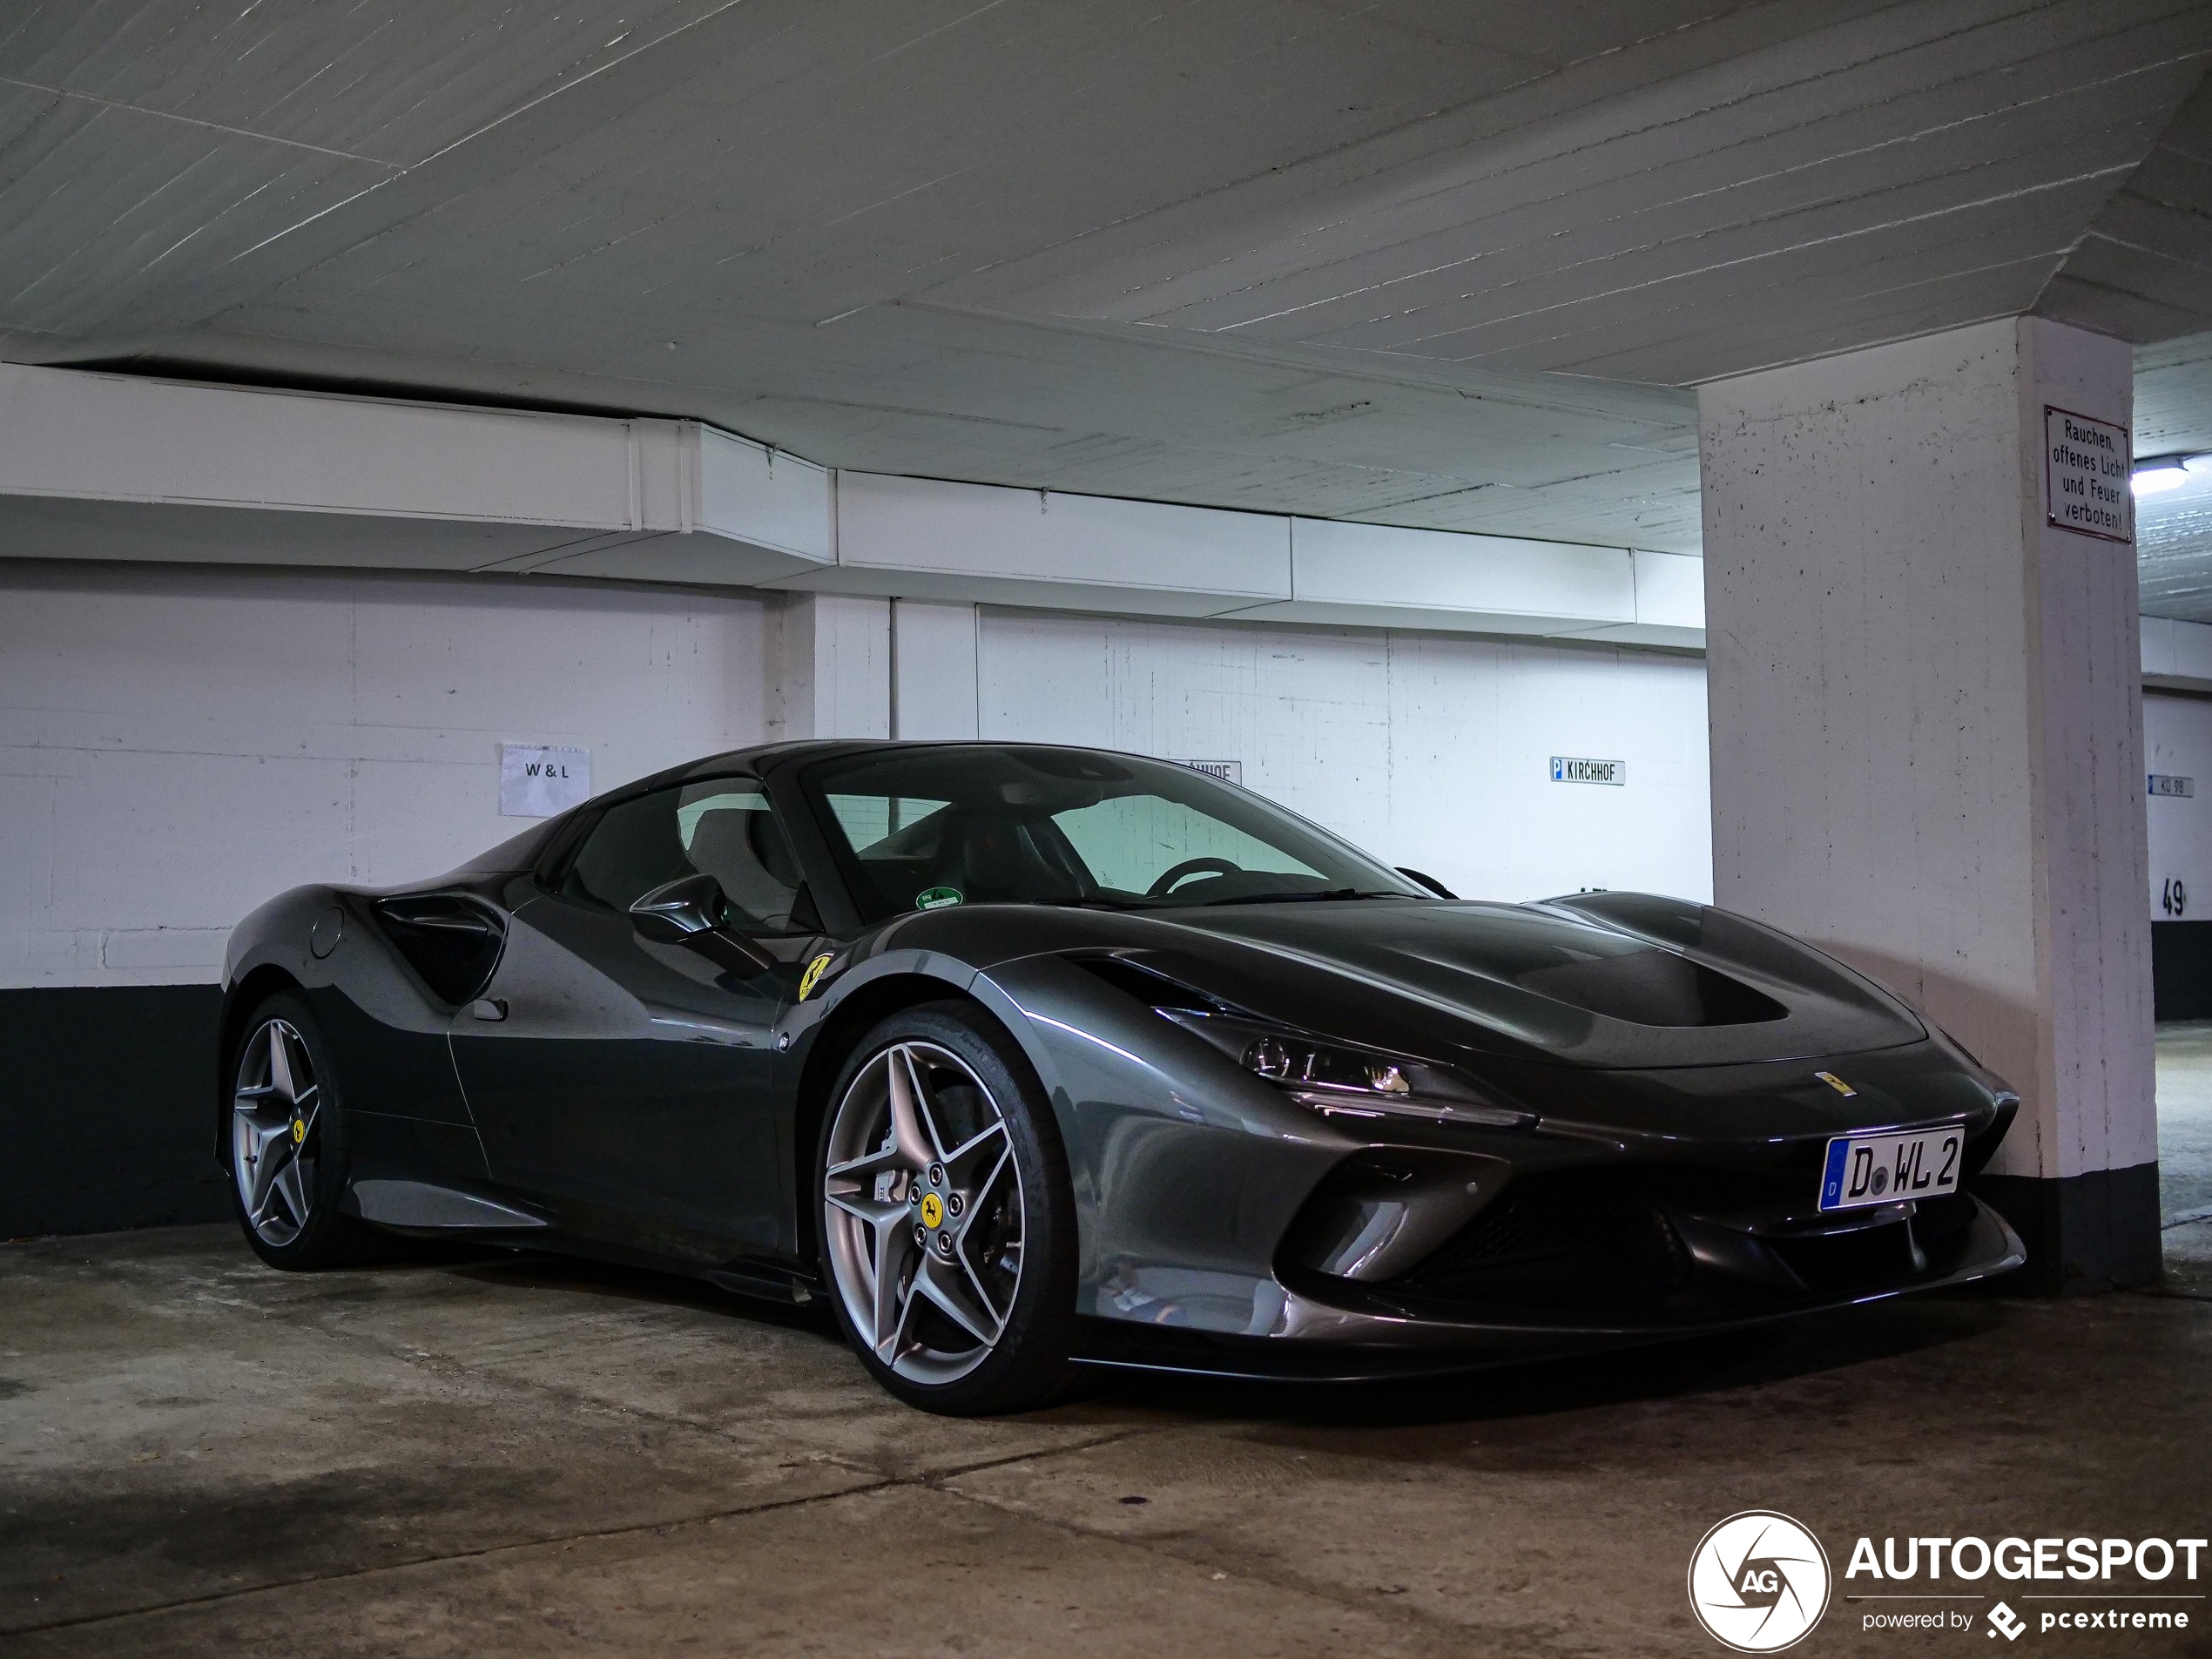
{"x": 1871, "y": 1258}
{"x": 1601, "y": 1240}
{"x": 1837, "y": 1264}
{"x": 1935, "y": 1218}
{"x": 1575, "y": 1239}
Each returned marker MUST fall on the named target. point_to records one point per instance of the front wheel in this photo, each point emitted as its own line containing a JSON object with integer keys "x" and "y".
{"x": 947, "y": 1223}
{"x": 288, "y": 1141}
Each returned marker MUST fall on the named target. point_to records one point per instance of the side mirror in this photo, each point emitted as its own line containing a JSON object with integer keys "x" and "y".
{"x": 675, "y": 910}
{"x": 693, "y": 910}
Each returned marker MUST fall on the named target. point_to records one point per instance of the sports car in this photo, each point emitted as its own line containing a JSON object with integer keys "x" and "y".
{"x": 1027, "y": 1059}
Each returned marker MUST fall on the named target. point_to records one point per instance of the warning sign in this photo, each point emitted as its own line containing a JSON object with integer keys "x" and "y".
{"x": 2088, "y": 473}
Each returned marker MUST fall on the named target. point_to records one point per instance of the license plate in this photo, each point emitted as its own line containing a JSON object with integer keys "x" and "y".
{"x": 1886, "y": 1169}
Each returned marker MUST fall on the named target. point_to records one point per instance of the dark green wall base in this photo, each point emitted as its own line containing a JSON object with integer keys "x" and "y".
{"x": 106, "y": 1104}
{"x": 2180, "y": 969}
{"x": 2083, "y": 1232}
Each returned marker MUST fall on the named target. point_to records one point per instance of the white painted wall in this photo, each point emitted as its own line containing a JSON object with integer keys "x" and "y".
{"x": 933, "y": 678}
{"x": 177, "y": 745}
{"x": 2177, "y": 740}
{"x": 827, "y": 666}
{"x": 1429, "y": 750}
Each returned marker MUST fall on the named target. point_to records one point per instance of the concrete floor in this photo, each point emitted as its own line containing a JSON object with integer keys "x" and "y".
{"x": 522, "y": 1456}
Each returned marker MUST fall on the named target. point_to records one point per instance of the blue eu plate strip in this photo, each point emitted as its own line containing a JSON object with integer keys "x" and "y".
{"x": 1831, "y": 1180}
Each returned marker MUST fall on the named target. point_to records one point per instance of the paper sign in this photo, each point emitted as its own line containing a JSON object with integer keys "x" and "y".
{"x": 2089, "y": 475}
{"x": 535, "y": 782}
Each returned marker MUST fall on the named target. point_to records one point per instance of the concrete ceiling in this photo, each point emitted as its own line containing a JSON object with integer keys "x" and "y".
{"x": 2143, "y": 271}
{"x": 1416, "y": 261}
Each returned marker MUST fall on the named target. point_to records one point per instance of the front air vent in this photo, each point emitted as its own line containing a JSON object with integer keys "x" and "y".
{"x": 1653, "y": 988}
{"x": 451, "y": 941}
{"x": 1150, "y": 986}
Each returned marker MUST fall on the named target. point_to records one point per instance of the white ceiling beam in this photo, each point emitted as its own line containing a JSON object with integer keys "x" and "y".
{"x": 572, "y": 489}
{"x": 109, "y": 466}
{"x": 2177, "y": 656}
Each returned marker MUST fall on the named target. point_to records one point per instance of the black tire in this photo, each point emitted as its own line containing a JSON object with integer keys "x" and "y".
{"x": 325, "y": 1237}
{"x": 1029, "y": 1363}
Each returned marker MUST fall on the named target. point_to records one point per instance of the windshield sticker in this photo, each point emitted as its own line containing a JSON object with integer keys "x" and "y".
{"x": 936, "y": 897}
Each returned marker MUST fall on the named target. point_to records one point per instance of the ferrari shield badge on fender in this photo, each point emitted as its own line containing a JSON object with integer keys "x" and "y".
{"x": 813, "y": 976}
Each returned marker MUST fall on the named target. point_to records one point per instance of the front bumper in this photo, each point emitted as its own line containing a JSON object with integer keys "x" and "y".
{"x": 1225, "y": 1226}
{"x": 1330, "y": 1328}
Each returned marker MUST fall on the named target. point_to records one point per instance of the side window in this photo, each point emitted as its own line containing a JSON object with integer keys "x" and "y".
{"x": 730, "y": 833}
{"x": 722, "y": 827}
{"x": 631, "y": 851}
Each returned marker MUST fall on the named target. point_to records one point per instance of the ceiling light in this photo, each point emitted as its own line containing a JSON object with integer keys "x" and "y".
{"x": 2157, "y": 477}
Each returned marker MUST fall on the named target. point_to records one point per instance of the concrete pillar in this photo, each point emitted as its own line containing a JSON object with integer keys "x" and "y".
{"x": 933, "y": 670}
{"x": 828, "y": 662}
{"x": 1927, "y": 727}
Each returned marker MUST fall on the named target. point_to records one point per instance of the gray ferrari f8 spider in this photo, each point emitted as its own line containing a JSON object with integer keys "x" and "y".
{"x": 1027, "y": 1059}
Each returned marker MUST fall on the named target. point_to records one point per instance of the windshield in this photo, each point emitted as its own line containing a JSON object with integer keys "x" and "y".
{"x": 960, "y": 824}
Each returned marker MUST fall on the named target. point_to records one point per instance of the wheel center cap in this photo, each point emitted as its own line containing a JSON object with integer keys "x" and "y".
{"x": 933, "y": 1210}
{"x": 299, "y": 1131}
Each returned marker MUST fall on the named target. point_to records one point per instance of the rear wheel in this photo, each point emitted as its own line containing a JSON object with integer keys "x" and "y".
{"x": 947, "y": 1223}
{"x": 288, "y": 1141}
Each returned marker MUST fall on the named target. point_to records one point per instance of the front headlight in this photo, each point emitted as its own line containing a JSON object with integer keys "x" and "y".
{"x": 1338, "y": 1080}
{"x": 1293, "y": 1060}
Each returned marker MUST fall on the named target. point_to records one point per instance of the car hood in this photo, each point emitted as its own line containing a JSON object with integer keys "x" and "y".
{"x": 1611, "y": 980}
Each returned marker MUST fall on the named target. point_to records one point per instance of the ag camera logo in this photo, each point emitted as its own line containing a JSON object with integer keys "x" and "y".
{"x": 1758, "y": 1582}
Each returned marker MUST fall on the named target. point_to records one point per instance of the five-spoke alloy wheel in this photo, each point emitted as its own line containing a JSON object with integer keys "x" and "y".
{"x": 945, "y": 1226}
{"x": 274, "y": 1143}
{"x": 287, "y": 1139}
